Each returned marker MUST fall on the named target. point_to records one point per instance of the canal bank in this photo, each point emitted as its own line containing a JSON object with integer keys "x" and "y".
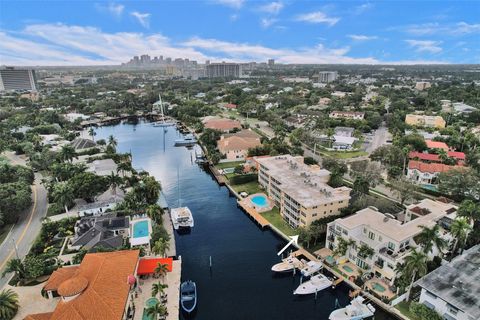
{"x": 240, "y": 284}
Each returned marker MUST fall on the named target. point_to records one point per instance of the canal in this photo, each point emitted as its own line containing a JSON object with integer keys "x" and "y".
{"x": 240, "y": 284}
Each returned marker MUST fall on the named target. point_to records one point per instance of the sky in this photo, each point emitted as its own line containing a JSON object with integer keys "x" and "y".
{"x": 324, "y": 32}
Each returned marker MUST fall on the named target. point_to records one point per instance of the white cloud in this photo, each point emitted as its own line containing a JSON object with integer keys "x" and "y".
{"x": 425, "y": 45}
{"x": 362, "y": 8}
{"x": 234, "y": 17}
{"x": 272, "y": 7}
{"x": 236, "y": 4}
{"x": 112, "y": 8}
{"x": 143, "y": 18}
{"x": 267, "y": 22}
{"x": 317, "y": 17}
{"x": 361, "y": 37}
{"x": 455, "y": 29}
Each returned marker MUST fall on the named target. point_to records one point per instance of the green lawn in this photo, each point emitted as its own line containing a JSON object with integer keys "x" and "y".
{"x": 344, "y": 154}
{"x": 275, "y": 219}
{"x": 232, "y": 164}
{"x": 404, "y": 308}
{"x": 250, "y": 187}
{"x": 4, "y": 231}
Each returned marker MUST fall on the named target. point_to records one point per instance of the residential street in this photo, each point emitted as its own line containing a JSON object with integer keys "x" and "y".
{"x": 379, "y": 138}
{"x": 28, "y": 225}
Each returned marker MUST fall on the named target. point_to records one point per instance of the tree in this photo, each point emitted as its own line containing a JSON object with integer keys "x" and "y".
{"x": 16, "y": 266}
{"x": 361, "y": 185}
{"x": 342, "y": 246}
{"x": 158, "y": 288}
{"x": 404, "y": 189}
{"x": 423, "y": 312}
{"x": 87, "y": 185}
{"x": 123, "y": 167}
{"x": 160, "y": 247}
{"x": 365, "y": 251}
{"x": 154, "y": 212}
{"x": 8, "y": 304}
{"x": 92, "y": 133}
{"x": 460, "y": 183}
{"x": 67, "y": 153}
{"x": 156, "y": 310}
{"x": 430, "y": 238}
{"x": 113, "y": 182}
{"x": 305, "y": 236}
{"x": 415, "y": 264}
{"x": 63, "y": 195}
{"x": 161, "y": 269}
{"x": 459, "y": 230}
{"x": 470, "y": 210}
{"x": 152, "y": 189}
{"x": 112, "y": 141}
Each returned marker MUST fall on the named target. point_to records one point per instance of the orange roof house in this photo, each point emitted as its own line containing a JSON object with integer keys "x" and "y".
{"x": 148, "y": 265}
{"x": 97, "y": 289}
{"x": 430, "y": 167}
{"x": 436, "y": 145}
{"x": 236, "y": 145}
{"x": 224, "y": 125}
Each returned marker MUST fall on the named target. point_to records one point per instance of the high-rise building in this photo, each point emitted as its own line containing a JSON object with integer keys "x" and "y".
{"x": 17, "y": 79}
{"x": 327, "y": 76}
{"x": 223, "y": 70}
{"x": 271, "y": 62}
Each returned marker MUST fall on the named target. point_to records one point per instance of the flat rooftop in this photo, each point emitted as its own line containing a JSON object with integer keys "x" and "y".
{"x": 306, "y": 184}
{"x": 458, "y": 282}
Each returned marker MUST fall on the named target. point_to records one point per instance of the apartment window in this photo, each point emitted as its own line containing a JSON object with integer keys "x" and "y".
{"x": 365, "y": 230}
{"x": 430, "y": 295}
{"x": 314, "y": 207}
{"x": 340, "y": 201}
{"x": 391, "y": 266}
{"x": 330, "y": 211}
{"x": 371, "y": 235}
{"x": 391, "y": 245}
{"x": 345, "y": 232}
{"x": 314, "y": 215}
{"x": 453, "y": 310}
{"x": 304, "y": 214}
{"x": 380, "y": 238}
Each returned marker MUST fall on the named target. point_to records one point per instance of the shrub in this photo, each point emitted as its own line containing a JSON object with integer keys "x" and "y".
{"x": 54, "y": 209}
{"x": 244, "y": 178}
{"x": 421, "y": 311}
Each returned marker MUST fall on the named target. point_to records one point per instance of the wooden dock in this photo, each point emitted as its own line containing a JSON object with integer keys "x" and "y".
{"x": 218, "y": 176}
{"x": 254, "y": 214}
{"x": 306, "y": 254}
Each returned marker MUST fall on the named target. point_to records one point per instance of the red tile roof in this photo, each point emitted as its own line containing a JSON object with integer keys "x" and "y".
{"x": 435, "y": 157}
{"x": 436, "y": 145}
{"x": 430, "y": 167}
{"x": 148, "y": 265}
{"x": 222, "y": 124}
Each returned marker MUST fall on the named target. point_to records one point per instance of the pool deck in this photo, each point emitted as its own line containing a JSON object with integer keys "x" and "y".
{"x": 253, "y": 213}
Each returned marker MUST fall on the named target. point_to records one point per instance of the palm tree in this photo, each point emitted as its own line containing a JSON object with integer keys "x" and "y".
{"x": 430, "y": 237}
{"x": 460, "y": 229}
{"x": 67, "y": 153}
{"x": 63, "y": 195}
{"x": 160, "y": 247}
{"x": 8, "y": 304}
{"x": 330, "y": 132}
{"x": 15, "y": 265}
{"x": 161, "y": 269}
{"x": 443, "y": 155}
{"x": 156, "y": 310}
{"x": 470, "y": 210}
{"x": 158, "y": 288}
{"x": 415, "y": 264}
{"x": 124, "y": 166}
{"x": 342, "y": 246}
{"x": 365, "y": 251}
{"x": 92, "y": 133}
{"x": 112, "y": 141}
{"x": 114, "y": 181}
{"x": 154, "y": 211}
{"x": 405, "y": 151}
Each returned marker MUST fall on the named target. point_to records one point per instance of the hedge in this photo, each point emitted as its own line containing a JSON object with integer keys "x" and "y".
{"x": 243, "y": 178}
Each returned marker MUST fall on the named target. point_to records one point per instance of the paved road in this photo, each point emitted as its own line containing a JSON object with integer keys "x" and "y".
{"x": 28, "y": 225}
{"x": 379, "y": 138}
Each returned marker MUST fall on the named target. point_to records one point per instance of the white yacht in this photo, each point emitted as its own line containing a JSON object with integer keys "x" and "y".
{"x": 162, "y": 123}
{"x": 316, "y": 284}
{"x": 181, "y": 218}
{"x": 188, "y": 140}
{"x": 356, "y": 310}
{"x": 311, "y": 268}
{"x": 288, "y": 264}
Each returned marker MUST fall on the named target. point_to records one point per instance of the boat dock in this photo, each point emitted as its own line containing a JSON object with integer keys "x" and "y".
{"x": 254, "y": 214}
{"x": 218, "y": 176}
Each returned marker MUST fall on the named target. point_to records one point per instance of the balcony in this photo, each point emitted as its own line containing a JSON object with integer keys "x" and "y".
{"x": 380, "y": 263}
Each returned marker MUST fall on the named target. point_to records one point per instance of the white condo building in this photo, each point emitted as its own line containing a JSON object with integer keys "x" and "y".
{"x": 14, "y": 79}
{"x": 391, "y": 239}
{"x": 299, "y": 190}
{"x": 327, "y": 76}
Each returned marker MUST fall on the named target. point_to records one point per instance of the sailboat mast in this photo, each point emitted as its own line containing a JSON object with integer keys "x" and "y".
{"x": 161, "y": 107}
{"x": 178, "y": 187}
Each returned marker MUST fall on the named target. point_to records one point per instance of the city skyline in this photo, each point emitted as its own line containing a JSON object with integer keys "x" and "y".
{"x": 357, "y": 32}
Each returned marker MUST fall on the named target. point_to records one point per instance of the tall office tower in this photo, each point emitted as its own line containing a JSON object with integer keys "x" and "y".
{"x": 271, "y": 62}
{"x": 145, "y": 59}
{"x": 168, "y": 60}
{"x": 207, "y": 62}
{"x": 17, "y": 79}
{"x": 223, "y": 70}
{"x": 327, "y": 76}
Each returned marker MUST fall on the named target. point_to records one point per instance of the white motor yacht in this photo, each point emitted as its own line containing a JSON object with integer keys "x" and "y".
{"x": 288, "y": 264}
{"x": 181, "y": 218}
{"x": 311, "y": 268}
{"x": 316, "y": 284}
{"x": 188, "y": 140}
{"x": 356, "y": 310}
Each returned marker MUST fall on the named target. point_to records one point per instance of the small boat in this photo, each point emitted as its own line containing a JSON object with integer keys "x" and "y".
{"x": 311, "y": 268}
{"x": 315, "y": 284}
{"x": 356, "y": 310}
{"x": 188, "y": 140}
{"x": 188, "y": 295}
{"x": 181, "y": 218}
{"x": 163, "y": 124}
{"x": 287, "y": 265}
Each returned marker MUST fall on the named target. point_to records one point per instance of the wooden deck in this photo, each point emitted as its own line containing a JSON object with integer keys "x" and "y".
{"x": 218, "y": 176}
{"x": 306, "y": 254}
{"x": 254, "y": 214}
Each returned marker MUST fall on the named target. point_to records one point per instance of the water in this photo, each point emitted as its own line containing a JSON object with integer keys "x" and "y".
{"x": 140, "y": 229}
{"x": 240, "y": 284}
{"x": 260, "y": 201}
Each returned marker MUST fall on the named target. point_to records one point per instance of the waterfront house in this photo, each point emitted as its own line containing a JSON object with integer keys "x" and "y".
{"x": 99, "y": 207}
{"x": 435, "y": 158}
{"x": 427, "y": 173}
{"x": 437, "y": 145}
{"x": 221, "y": 124}
{"x": 300, "y": 191}
{"x": 82, "y": 144}
{"x": 420, "y": 120}
{"x": 103, "y": 167}
{"x": 108, "y": 232}
{"x": 99, "y": 288}
{"x": 452, "y": 289}
{"x": 390, "y": 237}
{"x": 235, "y": 146}
{"x": 347, "y": 115}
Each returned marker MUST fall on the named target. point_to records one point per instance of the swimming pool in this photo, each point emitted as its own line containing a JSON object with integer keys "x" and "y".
{"x": 140, "y": 229}
{"x": 347, "y": 268}
{"x": 378, "y": 287}
{"x": 149, "y": 303}
{"x": 260, "y": 201}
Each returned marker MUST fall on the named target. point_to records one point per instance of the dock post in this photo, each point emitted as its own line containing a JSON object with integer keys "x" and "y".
{"x": 316, "y": 293}
{"x": 210, "y": 262}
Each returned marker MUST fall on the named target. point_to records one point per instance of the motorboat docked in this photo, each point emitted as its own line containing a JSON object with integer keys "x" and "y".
{"x": 288, "y": 264}
{"x": 188, "y": 295}
{"x": 356, "y": 310}
{"x": 311, "y": 268}
{"x": 163, "y": 124}
{"x": 188, "y": 140}
{"x": 181, "y": 218}
{"x": 315, "y": 284}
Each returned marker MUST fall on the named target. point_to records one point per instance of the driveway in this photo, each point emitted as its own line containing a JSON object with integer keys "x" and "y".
{"x": 29, "y": 223}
